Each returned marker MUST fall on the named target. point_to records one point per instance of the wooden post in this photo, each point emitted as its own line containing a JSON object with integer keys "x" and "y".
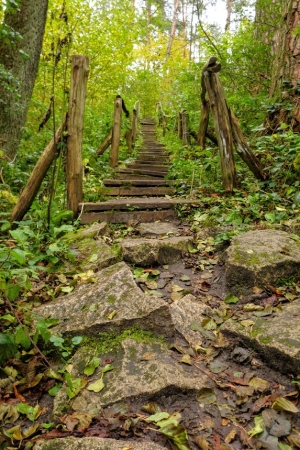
{"x": 185, "y": 127}
{"x": 114, "y": 151}
{"x": 212, "y": 85}
{"x": 74, "y": 168}
{"x": 162, "y": 118}
{"x": 37, "y": 176}
{"x": 243, "y": 150}
{"x": 134, "y": 126}
{"x": 201, "y": 138}
{"x": 180, "y": 125}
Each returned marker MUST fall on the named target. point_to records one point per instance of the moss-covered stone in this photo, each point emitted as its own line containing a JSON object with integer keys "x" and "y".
{"x": 260, "y": 257}
{"x": 276, "y": 338}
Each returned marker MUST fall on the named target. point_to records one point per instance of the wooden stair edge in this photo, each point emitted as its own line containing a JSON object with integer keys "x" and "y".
{"x": 127, "y": 216}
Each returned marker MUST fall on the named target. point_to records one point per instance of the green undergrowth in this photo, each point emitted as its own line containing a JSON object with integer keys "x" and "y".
{"x": 275, "y": 201}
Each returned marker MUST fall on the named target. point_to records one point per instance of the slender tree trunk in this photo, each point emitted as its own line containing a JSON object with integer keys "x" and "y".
{"x": 173, "y": 30}
{"x": 21, "y": 58}
{"x": 229, "y": 12}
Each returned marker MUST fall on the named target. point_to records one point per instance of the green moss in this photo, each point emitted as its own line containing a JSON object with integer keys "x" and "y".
{"x": 106, "y": 342}
{"x": 111, "y": 299}
{"x": 265, "y": 340}
{"x": 132, "y": 353}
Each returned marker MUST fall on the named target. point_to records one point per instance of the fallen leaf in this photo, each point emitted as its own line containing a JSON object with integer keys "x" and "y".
{"x": 206, "y": 396}
{"x": 202, "y": 443}
{"x": 230, "y": 298}
{"x": 186, "y": 359}
{"x": 259, "y": 384}
{"x": 230, "y": 436}
{"x": 8, "y": 413}
{"x": 282, "y": 404}
{"x": 151, "y": 408}
{"x": 97, "y": 386}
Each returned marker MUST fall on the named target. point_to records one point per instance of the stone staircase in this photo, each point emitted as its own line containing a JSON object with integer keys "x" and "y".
{"x": 141, "y": 187}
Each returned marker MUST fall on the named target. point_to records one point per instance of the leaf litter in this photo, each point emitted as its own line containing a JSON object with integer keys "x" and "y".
{"x": 247, "y": 405}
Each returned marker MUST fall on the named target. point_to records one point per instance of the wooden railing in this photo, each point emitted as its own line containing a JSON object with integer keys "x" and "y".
{"x": 70, "y": 132}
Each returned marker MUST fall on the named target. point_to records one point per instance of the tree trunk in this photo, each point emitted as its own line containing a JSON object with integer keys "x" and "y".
{"x": 173, "y": 30}
{"x": 286, "y": 47}
{"x": 21, "y": 59}
{"x": 277, "y": 27}
{"x": 229, "y": 12}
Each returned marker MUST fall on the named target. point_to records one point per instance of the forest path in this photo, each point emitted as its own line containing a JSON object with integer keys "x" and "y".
{"x": 139, "y": 190}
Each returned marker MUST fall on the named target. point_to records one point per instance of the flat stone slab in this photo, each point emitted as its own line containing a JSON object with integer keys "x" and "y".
{"x": 114, "y": 301}
{"x": 187, "y": 315}
{"x": 98, "y": 229}
{"x": 71, "y": 443}
{"x": 157, "y": 229}
{"x": 260, "y": 257}
{"x": 143, "y": 370}
{"x": 145, "y": 252}
{"x": 276, "y": 338}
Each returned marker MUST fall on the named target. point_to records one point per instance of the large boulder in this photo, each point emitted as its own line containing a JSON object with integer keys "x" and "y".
{"x": 146, "y": 252}
{"x": 142, "y": 370}
{"x": 113, "y": 301}
{"x": 276, "y": 338}
{"x": 93, "y": 443}
{"x": 260, "y": 257}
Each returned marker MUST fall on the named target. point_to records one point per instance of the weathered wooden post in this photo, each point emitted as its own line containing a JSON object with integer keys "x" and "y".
{"x": 37, "y": 176}
{"x": 114, "y": 150}
{"x": 134, "y": 122}
{"x": 135, "y": 118}
{"x": 202, "y": 132}
{"x": 179, "y": 130}
{"x": 74, "y": 168}
{"x": 212, "y": 85}
{"x": 185, "y": 127}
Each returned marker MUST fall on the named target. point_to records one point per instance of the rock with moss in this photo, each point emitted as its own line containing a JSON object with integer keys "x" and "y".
{"x": 91, "y": 252}
{"x": 260, "y": 257}
{"x": 146, "y": 252}
{"x": 111, "y": 301}
{"x": 276, "y": 338}
{"x": 188, "y": 314}
{"x": 140, "y": 370}
{"x": 94, "y": 443}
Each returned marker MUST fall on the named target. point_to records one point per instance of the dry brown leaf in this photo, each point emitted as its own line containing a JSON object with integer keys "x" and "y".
{"x": 230, "y": 436}
{"x": 201, "y": 442}
{"x": 18, "y": 395}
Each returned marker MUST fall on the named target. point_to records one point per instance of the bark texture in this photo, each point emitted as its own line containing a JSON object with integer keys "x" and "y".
{"x": 29, "y": 21}
{"x": 286, "y": 47}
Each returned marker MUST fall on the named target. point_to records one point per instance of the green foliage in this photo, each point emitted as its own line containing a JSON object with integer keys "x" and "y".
{"x": 8, "y": 347}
